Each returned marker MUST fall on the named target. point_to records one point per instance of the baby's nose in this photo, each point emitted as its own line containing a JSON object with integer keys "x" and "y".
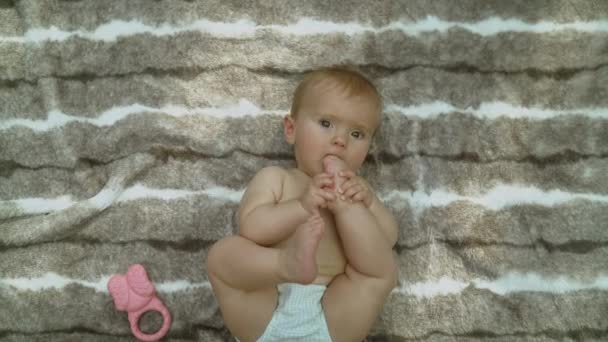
{"x": 339, "y": 139}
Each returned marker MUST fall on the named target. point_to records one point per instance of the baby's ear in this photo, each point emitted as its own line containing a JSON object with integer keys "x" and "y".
{"x": 289, "y": 129}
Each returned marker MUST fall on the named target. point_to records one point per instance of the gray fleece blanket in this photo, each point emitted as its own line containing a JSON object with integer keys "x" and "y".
{"x": 129, "y": 130}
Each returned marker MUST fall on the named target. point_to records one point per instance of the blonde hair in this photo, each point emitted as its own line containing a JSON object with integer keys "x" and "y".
{"x": 350, "y": 81}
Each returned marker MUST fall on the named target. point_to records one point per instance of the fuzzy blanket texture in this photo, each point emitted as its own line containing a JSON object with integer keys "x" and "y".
{"x": 130, "y": 129}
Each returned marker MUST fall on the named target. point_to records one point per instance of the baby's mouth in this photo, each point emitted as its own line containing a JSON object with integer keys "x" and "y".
{"x": 333, "y": 164}
{"x": 330, "y": 162}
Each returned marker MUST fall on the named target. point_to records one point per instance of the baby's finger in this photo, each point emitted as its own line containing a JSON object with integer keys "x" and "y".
{"x": 327, "y": 195}
{"x": 347, "y": 185}
{"x": 323, "y": 175}
{"x": 323, "y": 182}
{"x": 346, "y": 173}
{"x": 356, "y": 189}
{"x": 322, "y": 178}
{"x": 359, "y": 196}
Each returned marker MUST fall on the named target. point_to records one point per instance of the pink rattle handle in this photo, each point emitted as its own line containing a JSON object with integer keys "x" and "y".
{"x": 135, "y": 294}
{"x": 154, "y": 305}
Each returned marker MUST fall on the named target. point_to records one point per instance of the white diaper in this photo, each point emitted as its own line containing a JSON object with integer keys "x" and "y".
{"x": 299, "y": 315}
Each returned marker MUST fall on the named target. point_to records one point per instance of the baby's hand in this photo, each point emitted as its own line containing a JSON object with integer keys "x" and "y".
{"x": 318, "y": 193}
{"x": 355, "y": 188}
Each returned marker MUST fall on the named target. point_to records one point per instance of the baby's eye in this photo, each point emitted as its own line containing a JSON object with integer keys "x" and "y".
{"x": 325, "y": 123}
{"x": 358, "y": 135}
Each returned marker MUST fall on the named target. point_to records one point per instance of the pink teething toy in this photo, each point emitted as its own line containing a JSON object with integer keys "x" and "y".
{"x": 135, "y": 294}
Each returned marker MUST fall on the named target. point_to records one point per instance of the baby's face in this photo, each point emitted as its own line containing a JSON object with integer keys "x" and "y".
{"x": 332, "y": 123}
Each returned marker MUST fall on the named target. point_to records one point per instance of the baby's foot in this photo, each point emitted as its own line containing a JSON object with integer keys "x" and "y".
{"x": 333, "y": 165}
{"x": 299, "y": 257}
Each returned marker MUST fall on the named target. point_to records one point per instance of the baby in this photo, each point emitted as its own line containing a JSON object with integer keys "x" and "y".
{"x": 313, "y": 260}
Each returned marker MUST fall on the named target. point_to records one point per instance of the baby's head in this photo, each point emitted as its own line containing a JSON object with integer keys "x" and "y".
{"x": 334, "y": 112}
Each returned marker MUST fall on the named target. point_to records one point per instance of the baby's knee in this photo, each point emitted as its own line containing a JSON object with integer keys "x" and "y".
{"x": 216, "y": 253}
{"x": 393, "y": 277}
{"x": 212, "y": 258}
{"x": 387, "y": 282}
{"x": 382, "y": 285}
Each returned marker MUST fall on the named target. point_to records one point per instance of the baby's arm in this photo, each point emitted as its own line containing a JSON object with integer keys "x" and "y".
{"x": 261, "y": 218}
{"x": 265, "y": 220}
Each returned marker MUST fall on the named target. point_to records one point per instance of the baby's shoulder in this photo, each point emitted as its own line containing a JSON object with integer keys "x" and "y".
{"x": 277, "y": 178}
{"x": 273, "y": 172}
{"x": 270, "y": 176}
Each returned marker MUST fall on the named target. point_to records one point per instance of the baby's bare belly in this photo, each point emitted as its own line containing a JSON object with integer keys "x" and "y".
{"x": 329, "y": 265}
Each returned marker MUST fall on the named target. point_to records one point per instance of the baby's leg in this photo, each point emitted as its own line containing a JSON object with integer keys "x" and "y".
{"x": 354, "y": 299}
{"x": 244, "y": 276}
{"x": 352, "y": 303}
